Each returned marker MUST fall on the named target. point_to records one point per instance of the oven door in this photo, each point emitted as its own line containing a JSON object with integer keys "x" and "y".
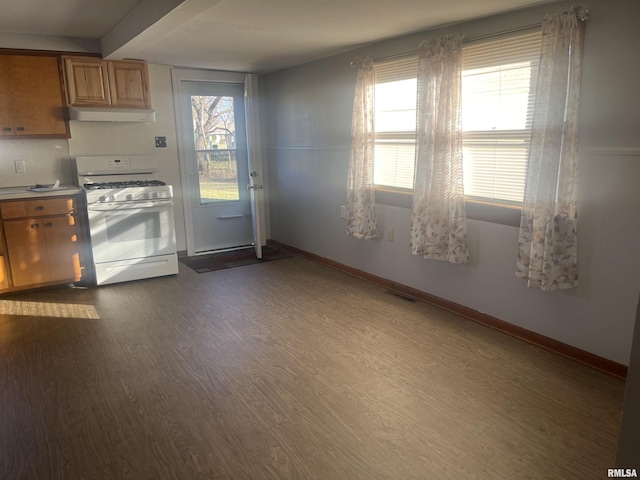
{"x": 131, "y": 230}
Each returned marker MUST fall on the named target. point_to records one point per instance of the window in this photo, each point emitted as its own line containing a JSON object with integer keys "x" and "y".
{"x": 395, "y": 123}
{"x": 498, "y": 94}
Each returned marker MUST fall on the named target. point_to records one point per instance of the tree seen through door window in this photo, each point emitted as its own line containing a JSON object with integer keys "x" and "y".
{"x": 215, "y": 145}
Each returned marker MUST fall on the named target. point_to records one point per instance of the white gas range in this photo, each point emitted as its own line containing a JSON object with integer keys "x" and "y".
{"x": 130, "y": 218}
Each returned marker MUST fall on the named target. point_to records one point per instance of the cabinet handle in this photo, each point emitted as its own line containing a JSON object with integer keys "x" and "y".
{"x": 19, "y": 129}
{"x": 6, "y": 129}
{"x": 48, "y": 224}
{"x": 39, "y": 208}
{"x": 35, "y": 225}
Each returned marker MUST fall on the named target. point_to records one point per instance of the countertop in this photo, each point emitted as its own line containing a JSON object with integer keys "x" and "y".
{"x": 22, "y": 192}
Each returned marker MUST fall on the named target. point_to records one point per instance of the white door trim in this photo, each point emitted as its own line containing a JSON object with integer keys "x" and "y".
{"x": 252, "y": 100}
{"x": 179, "y": 75}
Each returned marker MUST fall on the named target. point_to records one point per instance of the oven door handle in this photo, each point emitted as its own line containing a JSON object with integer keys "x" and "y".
{"x": 109, "y": 207}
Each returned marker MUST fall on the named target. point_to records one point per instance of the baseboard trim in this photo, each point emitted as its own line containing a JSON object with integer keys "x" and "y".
{"x": 594, "y": 361}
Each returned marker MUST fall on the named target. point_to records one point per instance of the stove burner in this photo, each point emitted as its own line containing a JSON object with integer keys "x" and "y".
{"x": 125, "y": 184}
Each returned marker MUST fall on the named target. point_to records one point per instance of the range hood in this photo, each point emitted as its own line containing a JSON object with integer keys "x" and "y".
{"x": 92, "y": 114}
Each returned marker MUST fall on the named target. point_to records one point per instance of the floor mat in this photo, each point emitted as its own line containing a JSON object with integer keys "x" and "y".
{"x": 235, "y": 258}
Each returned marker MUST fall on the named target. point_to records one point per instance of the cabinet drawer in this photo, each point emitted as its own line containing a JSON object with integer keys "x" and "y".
{"x": 37, "y": 208}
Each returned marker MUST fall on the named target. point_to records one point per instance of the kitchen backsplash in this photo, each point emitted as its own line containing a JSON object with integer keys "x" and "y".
{"x": 45, "y": 161}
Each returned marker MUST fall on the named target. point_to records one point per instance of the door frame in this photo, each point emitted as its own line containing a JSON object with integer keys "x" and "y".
{"x": 178, "y": 76}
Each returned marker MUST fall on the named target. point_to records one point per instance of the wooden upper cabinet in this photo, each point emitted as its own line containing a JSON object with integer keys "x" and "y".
{"x": 97, "y": 82}
{"x": 129, "y": 82}
{"x": 31, "y": 98}
{"x": 87, "y": 81}
{"x": 6, "y": 123}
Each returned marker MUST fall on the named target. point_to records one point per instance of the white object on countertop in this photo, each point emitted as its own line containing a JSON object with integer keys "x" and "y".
{"x": 42, "y": 188}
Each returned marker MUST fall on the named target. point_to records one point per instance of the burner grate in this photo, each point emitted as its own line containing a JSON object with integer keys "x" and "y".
{"x": 124, "y": 184}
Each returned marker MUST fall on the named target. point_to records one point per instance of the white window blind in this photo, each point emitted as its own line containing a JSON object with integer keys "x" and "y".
{"x": 395, "y": 122}
{"x": 498, "y": 94}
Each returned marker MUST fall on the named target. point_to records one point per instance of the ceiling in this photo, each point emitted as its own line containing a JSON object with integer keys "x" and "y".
{"x": 236, "y": 35}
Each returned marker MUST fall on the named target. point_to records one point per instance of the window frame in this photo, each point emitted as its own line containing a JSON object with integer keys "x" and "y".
{"x": 495, "y": 211}
{"x": 475, "y": 209}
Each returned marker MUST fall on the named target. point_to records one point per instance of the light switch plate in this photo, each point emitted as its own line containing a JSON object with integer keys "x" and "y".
{"x": 161, "y": 142}
{"x": 21, "y": 166}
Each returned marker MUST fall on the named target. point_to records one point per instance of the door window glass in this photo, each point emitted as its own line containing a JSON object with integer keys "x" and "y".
{"x": 214, "y": 136}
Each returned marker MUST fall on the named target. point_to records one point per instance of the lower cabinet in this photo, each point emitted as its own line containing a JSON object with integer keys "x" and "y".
{"x": 41, "y": 249}
{"x": 4, "y": 278}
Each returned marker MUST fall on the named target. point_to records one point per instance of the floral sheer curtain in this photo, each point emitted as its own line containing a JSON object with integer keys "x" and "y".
{"x": 438, "y": 224}
{"x": 361, "y": 213}
{"x": 548, "y": 251}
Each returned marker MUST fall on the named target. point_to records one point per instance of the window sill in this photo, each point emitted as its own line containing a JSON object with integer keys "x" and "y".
{"x": 475, "y": 209}
{"x": 494, "y": 213}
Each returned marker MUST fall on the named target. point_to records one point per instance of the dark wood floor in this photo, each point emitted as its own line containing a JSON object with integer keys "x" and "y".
{"x": 285, "y": 370}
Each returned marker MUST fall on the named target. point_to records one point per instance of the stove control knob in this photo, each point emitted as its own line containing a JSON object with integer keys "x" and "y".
{"x": 155, "y": 194}
{"x": 147, "y": 195}
{"x": 129, "y": 196}
{"x": 102, "y": 199}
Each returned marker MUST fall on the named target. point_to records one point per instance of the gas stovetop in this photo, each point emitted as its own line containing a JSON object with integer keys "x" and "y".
{"x": 109, "y": 179}
{"x": 123, "y": 184}
{"x": 129, "y": 194}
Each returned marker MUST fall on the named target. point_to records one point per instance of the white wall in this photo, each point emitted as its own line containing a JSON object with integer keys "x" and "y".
{"x": 45, "y": 161}
{"x": 309, "y": 117}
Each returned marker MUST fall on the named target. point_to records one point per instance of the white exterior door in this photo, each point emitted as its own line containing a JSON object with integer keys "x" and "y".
{"x": 216, "y": 165}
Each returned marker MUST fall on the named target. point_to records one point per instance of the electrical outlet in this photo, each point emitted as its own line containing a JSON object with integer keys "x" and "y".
{"x": 343, "y": 211}
{"x": 21, "y": 166}
{"x": 161, "y": 142}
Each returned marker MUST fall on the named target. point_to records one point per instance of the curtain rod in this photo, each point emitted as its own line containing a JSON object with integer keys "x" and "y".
{"x": 581, "y": 13}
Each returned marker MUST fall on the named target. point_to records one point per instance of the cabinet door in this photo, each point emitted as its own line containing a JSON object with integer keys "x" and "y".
{"x": 63, "y": 249}
{"x": 35, "y": 102}
{"x": 129, "y": 82}
{"x": 27, "y": 251}
{"x": 87, "y": 81}
{"x": 4, "y": 279}
{"x": 6, "y": 124}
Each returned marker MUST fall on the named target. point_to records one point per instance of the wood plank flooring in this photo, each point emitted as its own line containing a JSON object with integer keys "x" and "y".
{"x": 285, "y": 370}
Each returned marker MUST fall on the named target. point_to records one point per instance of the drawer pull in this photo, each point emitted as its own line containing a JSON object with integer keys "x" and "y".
{"x": 6, "y": 129}
{"x": 35, "y": 225}
{"x": 20, "y": 129}
{"x": 48, "y": 224}
{"x": 39, "y": 208}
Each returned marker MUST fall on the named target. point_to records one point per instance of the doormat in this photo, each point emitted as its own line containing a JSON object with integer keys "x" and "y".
{"x": 234, "y": 258}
